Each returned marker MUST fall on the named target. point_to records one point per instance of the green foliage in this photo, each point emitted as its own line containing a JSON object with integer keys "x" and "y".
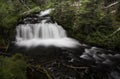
{"x": 118, "y": 12}
{"x": 87, "y": 22}
{"x": 64, "y": 14}
{"x": 86, "y": 18}
{"x": 92, "y": 17}
{"x": 113, "y": 41}
{"x": 45, "y": 4}
{"x": 10, "y": 11}
{"x": 12, "y": 67}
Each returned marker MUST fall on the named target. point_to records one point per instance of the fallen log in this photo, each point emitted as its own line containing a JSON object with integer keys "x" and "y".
{"x": 36, "y": 9}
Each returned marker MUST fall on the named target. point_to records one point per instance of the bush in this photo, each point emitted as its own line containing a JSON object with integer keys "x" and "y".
{"x": 11, "y": 10}
{"x": 12, "y": 67}
{"x": 86, "y": 18}
{"x": 88, "y": 22}
{"x": 64, "y": 14}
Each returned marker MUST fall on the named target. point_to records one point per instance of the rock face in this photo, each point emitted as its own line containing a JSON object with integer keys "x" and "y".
{"x": 79, "y": 62}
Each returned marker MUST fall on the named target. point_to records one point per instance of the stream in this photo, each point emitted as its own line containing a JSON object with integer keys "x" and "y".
{"x": 63, "y": 57}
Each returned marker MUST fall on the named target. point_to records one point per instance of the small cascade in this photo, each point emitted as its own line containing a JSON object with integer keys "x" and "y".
{"x": 43, "y": 33}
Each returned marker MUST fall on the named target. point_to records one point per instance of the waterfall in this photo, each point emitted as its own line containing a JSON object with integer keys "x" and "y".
{"x": 43, "y": 33}
{"x": 38, "y": 32}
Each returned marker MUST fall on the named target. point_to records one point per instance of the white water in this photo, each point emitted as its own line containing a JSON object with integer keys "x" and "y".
{"x": 43, "y": 33}
{"x": 46, "y": 12}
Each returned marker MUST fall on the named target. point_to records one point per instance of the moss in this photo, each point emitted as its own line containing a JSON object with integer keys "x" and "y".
{"x": 99, "y": 39}
{"x": 12, "y": 67}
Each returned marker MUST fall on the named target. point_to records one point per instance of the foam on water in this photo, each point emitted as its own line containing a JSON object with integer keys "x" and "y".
{"x": 63, "y": 42}
{"x": 46, "y": 12}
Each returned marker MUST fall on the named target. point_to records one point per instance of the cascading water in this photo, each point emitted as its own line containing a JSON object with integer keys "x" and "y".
{"x": 43, "y": 33}
{"x": 39, "y": 31}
